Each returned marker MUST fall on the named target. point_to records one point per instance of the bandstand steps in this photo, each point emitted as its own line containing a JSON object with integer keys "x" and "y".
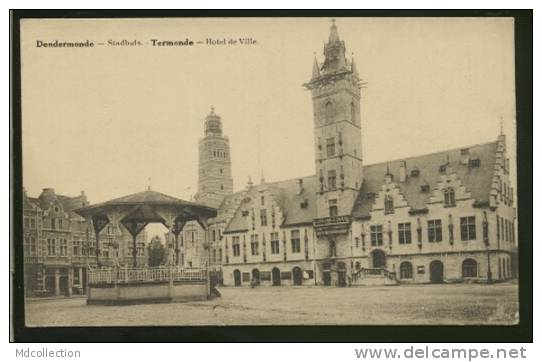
{"x": 374, "y": 277}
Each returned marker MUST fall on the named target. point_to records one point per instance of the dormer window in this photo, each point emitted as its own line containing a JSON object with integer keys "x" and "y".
{"x": 245, "y": 213}
{"x": 371, "y": 195}
{"x": 415, "y": 172}
{"x": 449, "y": 197}
{"x": 424, "y": 188}
{"x": 388, "y": 205}
{"x": 442, "y": 168}
{"x": 304, "y": 204}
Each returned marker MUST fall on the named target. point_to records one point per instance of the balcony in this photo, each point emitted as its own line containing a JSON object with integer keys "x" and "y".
{"x": 31, "y": 259}
{"x": 332, "y": 225}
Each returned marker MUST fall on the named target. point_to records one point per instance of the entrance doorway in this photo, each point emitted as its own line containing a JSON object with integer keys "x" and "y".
{"x": 237, "y": 277}
{"x": 256, "y": 276}
{"x": 297, "y": 274}
{"x": 341, "y": 271}
{"x": 436, "y": 270}
{"x": 275, "y": 274}
{"x": 327, "y": 278}
{"x": 64, "y": 285}
{"x": 50, "y": 284}
{"x": 379, "y": 259}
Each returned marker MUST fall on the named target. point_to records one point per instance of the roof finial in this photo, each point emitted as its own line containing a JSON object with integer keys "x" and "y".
{"x": 501, "y": 126}
{"x": 387, "y": 168}
{"x": 212, "y": 109}
{"x": 149, "y": 184}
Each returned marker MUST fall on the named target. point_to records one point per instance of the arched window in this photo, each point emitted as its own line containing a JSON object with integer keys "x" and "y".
{"x": 470, "y": 268}
{"x": 388, "y": 205}
{"x": 352, "y": 112}
{"x": 449, "y": 197}
{"x": 405, "y": 270}
{"x": 330, "y": 112}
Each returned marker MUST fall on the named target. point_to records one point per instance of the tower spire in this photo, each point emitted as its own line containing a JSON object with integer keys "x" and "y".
{"x": 315, "y": 68}
{"x": 333, "y": 34}
{"x": 354, "y": 69}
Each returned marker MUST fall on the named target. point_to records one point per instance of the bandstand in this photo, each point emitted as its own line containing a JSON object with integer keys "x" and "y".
{"x": 122, "y": 284}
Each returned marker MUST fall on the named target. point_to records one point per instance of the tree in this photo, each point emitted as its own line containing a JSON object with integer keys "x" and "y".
{"x": 156, "y": 251}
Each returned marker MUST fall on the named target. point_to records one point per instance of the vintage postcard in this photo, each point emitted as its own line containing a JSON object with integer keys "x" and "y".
{"x": 269, "y": 171}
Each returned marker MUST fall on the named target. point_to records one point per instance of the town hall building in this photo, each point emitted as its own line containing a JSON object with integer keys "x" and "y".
{"x": 442, "y": 217}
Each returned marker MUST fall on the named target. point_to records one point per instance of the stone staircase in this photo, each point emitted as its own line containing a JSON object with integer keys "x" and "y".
{"x": 374, "y": 276}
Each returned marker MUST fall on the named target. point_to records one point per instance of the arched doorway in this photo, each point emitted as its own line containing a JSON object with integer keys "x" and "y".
{"x": 436, "y": 271}
{"x": 64, "y": 285}
{"x": 297, "y": 275}
{"x": 326, "y": 275}
{"x": 50, "y": 284}
{"x": 237, "y": 277}
{"x": 405, "y": 270}
{"x": 469, "y": 268}
{"x": 341, "y": 274}
{"x": 256, "y": 276}
{"x": 379, "y": 258}
{"x": 275, "y": 274}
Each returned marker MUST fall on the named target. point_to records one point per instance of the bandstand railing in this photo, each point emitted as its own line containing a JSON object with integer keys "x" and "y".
{"x": 156, "y": 274}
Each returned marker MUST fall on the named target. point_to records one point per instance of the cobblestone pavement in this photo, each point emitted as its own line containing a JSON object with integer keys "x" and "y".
{"x": 416, "y": 304}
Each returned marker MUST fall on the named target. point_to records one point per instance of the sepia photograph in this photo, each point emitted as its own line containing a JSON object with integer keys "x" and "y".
{"x": 269, "y": 171}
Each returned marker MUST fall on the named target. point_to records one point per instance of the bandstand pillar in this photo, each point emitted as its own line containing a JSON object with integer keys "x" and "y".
{"x": 98, "y": 223}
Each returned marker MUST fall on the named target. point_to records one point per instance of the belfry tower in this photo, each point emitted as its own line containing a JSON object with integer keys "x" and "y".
{"x": 215, "y": 178}
{"x": 335, "y": 88}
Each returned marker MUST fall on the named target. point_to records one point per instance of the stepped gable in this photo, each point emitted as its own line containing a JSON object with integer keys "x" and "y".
{"x": 297, "y": 208}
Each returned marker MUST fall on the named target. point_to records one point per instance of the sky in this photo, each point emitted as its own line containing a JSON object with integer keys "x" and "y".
{"x": 113, "y": 120}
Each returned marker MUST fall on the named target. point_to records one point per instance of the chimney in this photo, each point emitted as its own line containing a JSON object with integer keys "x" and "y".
{"x": 402, "y": 171}
{"x": 465, "y": 156}
{"x": 300, "y": 186}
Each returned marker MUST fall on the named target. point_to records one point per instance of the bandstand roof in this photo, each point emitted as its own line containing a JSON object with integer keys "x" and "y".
{"x": 149, "y": 201}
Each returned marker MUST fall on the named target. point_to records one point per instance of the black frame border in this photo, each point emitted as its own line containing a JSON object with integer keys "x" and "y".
{"x": 523, "y": 332}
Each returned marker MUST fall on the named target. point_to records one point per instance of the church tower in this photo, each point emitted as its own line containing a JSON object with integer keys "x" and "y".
{"x": 335, "y": 88}
{"x": 215, "y": 178}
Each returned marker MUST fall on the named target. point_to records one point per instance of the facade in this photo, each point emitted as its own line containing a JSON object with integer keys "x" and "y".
{"x": 442, "y": 217}
{"x": 59, "y": 245}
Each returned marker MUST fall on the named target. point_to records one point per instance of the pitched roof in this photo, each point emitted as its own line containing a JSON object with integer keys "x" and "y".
{"x": 71, "y": 203}
{"x": 477, "y": 180}
{"x": 286, "y": 196}
{"x": 29, "y": 203}
{"x": 290, "y": 201}
{"x": 238, "y": 222}
{"x": 147, "y": 197}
